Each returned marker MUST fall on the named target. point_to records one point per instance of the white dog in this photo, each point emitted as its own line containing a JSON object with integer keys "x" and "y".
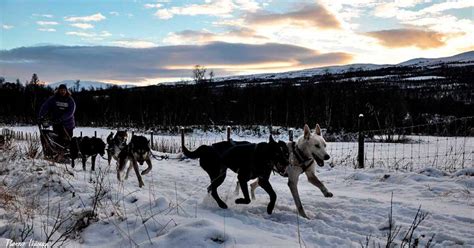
{"x": 305, "y": 153}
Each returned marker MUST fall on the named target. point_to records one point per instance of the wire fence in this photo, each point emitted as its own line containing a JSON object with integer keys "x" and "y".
{"x": 447, "y": 145}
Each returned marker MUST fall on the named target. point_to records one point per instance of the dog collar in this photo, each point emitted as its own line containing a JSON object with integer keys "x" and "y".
{"x": 300, "y": 157}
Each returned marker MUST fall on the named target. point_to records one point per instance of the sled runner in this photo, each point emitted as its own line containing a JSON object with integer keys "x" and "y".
{"x": 54, "y": 148}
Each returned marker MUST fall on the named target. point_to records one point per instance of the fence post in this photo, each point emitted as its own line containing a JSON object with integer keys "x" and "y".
{"x": 81, "y": 134}
{"x": 151, "y": 140}
{"x": 228, "y": 133}
{"x": 95, "y": 134}
{"x": 182, "y": 136}
{"x": 290, "y": 134}
{"x": 360, "y": 155}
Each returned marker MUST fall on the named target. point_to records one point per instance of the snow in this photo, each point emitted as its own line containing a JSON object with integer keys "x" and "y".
{"x": 424, "y": 78}
{"x": 88, "y": 84}
{"x": 175, "y": 210}
{"x": 463, "y": 59}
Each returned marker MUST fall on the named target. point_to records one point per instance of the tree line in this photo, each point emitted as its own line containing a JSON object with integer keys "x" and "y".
{"x": 333, "y": 100}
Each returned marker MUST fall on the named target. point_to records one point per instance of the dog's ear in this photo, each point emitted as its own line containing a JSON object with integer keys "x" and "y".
{"x": 307, "y": 132}
{"x": 317, "y": 130}
{"x": 271, "y": 139}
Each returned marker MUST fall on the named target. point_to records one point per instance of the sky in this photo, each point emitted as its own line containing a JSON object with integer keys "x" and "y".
{"x": 148, "y": 41}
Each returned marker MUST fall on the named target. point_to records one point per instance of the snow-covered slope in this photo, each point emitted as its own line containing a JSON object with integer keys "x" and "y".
{"x": 306, "y": 72}
{"x": 463, "y": 59}
{"x": 87, "y": 84}
{"x": 175, "y": 210}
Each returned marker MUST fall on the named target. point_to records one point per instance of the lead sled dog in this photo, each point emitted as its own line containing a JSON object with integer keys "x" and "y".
{"x": 305, "y": 153}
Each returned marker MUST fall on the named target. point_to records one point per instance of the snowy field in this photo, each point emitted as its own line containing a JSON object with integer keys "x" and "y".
{"x": 43, "y": 201}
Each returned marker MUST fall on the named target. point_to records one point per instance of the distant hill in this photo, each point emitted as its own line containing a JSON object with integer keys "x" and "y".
{"x": 71, "y": 84}
{"x": 462, "y": 58}
{"x": 466, "y": 58}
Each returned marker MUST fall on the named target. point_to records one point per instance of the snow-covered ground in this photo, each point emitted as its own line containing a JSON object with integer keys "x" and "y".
{"x": 446, "y": 153}
{"x": 174, "y": 209}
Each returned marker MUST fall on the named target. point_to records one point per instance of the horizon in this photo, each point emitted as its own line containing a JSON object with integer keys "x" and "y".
{"x": 148, "y": 42}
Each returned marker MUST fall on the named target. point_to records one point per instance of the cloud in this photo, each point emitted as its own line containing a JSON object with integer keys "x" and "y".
{"x": 247, "y": 5}
{"x": 85, "y": 34}
{"x": 5, "y": 26}
{"x": 55, "y": 63}
{"x": 153, "y": 5}
{"x": 440, "y": 7}
{"x": 92, "y": 18}
{"x": 243, "y": 35}
{"x": 47, "y": 29}
{"x": 211, "y": 7}
{"x": 134, "y": 43}
{"x": 311, "y": 15}
{"x": 82, "y": 25}
{"x": 409, "y": 37}
{"x": 114, "y": 13}
{"x": 164, "y": 14}
{"x": 43, "y": 15}
{"x": 46, "y": 23}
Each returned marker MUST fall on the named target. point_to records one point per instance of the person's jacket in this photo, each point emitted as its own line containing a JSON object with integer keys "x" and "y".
{"x": 62, "y": 109}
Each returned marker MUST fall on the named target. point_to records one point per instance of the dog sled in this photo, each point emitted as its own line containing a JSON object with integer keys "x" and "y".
{"x": 54, "y": 148}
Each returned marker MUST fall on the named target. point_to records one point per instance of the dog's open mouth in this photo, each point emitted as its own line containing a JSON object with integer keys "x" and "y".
{"x": 319, "y": 161}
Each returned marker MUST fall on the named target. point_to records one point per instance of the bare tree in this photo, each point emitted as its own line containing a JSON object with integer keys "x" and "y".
{"x": 211, "y": 76}
{"x": 199, "y": 74}
{"x": 34, "y": 79}
{"x": 77, "y": 85}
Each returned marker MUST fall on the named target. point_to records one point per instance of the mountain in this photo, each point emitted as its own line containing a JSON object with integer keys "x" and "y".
{"x": 466, "y": 58}
{"x": 71, "y": 84}
{"x": 462, "y": 58}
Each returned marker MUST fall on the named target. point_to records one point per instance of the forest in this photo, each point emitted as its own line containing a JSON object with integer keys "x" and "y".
{"x": 387, "y": 97}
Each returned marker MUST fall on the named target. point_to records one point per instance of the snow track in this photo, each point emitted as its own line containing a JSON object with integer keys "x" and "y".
{"x": 174, "y": 209}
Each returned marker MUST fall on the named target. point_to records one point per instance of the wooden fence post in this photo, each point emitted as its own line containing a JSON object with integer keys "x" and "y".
{"x": 228, "y": 133}
{"x": 151, "y": 140}
{"x": 290, "y": 134}
{"x": 95, "y": 134}
{"x": 360, "y": 155}
{"x": 182, "y": 136}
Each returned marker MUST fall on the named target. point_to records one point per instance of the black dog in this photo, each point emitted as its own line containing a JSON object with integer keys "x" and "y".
{"x": 115, "y": 143}
{"x": 85, "y": 147}
{"x": 248, "y": 160}
{"x": 137, "y": 152}
{"x": 210, "y": 157}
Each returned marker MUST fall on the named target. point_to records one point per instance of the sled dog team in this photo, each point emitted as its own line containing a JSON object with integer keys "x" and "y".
{"x": 248, "y": 160}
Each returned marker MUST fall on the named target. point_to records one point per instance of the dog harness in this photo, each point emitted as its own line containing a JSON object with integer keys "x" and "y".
{"x": 304, "y": 163}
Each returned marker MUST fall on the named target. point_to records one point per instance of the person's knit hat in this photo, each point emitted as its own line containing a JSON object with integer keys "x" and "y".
{"x": 62, "y": 86}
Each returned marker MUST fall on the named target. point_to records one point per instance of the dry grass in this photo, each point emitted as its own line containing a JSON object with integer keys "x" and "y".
{"x": 6, "y": 197}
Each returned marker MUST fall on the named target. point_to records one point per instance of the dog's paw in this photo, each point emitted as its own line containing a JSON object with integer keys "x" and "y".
{"x": 145, "y": 172}
{"x": 302, "y": 213}
{"x": 328, "y": 194}
{"x": 222, "y": 205}
{"x": 270, "y": 208}
{"x": 141, "y": 184}
{"x": 242, "y": 201}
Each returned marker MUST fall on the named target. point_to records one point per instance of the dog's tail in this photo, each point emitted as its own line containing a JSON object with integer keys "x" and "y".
{"x": 190, "y": 154}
